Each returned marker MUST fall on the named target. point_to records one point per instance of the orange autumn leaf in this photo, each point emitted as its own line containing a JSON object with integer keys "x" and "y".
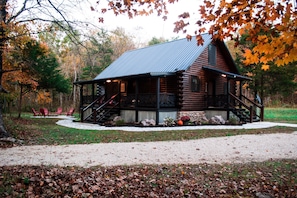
{"x": 265, "y": 67}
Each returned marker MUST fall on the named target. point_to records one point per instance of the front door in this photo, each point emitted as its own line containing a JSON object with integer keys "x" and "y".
{"x": 112, "y": 88}
{"x": 211, "y": 93}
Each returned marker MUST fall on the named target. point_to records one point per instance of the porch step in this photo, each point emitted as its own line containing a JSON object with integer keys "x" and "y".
{"x": 103, "y": 115}
{"x": 244, "y": 115}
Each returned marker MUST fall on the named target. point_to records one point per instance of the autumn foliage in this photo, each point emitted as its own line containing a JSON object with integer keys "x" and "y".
{"x": 271, "y": 25}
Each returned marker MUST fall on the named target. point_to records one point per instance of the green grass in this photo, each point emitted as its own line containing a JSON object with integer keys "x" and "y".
{"x": 45, "y": 131}
{"x": 280, "y": 115}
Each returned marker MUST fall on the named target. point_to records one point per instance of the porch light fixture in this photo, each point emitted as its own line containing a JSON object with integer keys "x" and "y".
{"x": 224, "y": 75}
{"x": 108, "y": 81}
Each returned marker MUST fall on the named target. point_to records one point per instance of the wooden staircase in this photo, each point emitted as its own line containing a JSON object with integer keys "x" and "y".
{"x": 244, "y": 115}
{"x": 99, "y": 112}
{"x": 245, "y": 109}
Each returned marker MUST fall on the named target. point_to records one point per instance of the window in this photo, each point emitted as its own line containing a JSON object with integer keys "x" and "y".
{"x": 123, "y": 87}
{"x": 212, "y": 55}
{"x": 195, "y": 84}
{"x": 225, "y": 88}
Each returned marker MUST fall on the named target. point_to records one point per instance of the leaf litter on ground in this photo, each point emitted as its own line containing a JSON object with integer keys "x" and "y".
{"x": 270, "y": 179}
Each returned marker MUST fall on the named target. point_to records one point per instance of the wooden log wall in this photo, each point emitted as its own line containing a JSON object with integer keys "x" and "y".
{"x": 196, "y": 100}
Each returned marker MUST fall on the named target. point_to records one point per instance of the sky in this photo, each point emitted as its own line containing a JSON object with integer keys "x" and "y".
{"x": 143, "y": 28}
{"x": 147, "y": 27}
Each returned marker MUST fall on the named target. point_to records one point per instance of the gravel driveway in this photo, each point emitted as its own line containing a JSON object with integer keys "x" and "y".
{"x": 234, "y": 149}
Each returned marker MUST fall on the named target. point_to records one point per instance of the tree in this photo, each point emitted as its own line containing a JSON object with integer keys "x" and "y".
{"x": 71, "y": 56}
{"x": 276, "y": 81}
{"x": 121, "y": 42}
{"x": 37, "y": 69}
{"x": 13, "y": 13}
{"x": 45, "y": 65}
{"x": 99, "y": 52}
{"x": 271, "y": 26}
{"x": 155, "y": 41}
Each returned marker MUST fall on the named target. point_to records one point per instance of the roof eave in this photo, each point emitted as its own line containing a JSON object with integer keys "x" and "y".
{"x": 227, "y": 74}
{"x": 151, "y": 74}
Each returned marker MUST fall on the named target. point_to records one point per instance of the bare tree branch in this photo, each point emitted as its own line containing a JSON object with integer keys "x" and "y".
{"x": 18, "y": 13}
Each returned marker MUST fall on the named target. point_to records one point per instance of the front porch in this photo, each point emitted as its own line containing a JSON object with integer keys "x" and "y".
{"x": 134, "y": 108}
{"x": 157, "y": 97}
{"x": 244, "y": 108}
{"x": 134, "y": 99}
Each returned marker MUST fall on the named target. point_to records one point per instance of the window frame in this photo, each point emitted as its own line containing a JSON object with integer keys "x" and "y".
{"x": 195, "y": 83}
{"x": 212, "y": 55}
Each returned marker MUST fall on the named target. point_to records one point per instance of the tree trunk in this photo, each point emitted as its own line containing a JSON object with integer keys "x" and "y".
{"x": 20, "y": 101}
{"x": 3, "y": 132}
{"x": 3, "y": 38}
{"x": 61, "y": 99}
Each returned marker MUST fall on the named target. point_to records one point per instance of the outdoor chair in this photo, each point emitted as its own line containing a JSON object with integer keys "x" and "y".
{"x": 44, "y": 112}
{"x": 59, "y": 111}
{"x": 35, "y": 113}
{"x": 70, "y": 112}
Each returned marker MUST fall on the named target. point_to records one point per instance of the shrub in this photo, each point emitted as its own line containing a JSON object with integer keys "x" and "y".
{"x": 119, "y": 122}
{"x": 185, "y": 118}
{"x": 169, "y": 121}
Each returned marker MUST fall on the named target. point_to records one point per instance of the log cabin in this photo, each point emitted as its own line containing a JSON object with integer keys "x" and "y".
{"x": 170, "y": 79}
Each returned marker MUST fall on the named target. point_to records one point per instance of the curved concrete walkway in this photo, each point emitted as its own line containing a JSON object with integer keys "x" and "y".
{"x": 68, "y": 122}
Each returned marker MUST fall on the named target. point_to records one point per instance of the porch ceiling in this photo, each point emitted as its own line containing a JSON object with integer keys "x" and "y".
{"x": 228, "y": 74}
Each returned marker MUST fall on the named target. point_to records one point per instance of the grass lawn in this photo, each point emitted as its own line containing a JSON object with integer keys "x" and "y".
{"x": 281, "y": 115}
{"x": 277, "y": 178}
{"x": 44, "y": 131}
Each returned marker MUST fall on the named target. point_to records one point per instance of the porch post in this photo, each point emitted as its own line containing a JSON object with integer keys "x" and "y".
{"x": 158, "y": 100}
{"x": 136, "y": 100}
{"x": 228, "y": 98}
{"x": 120, "y": 94}
{"x": 93, "y": 91}
{"x": 81, "y": 103}
{"x": 240, "y": 93}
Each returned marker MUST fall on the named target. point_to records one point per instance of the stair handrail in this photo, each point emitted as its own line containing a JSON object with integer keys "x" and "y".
{"x": 257, "y": 105}
{"x": 249, "y": 108}
{"x": 89, "y": 106}
{"x": 107, "y": 102}
{"x": 95, "y": 111}
{"x": 106, "y": 112}
{"x": 98, "y": 108}
{"x": 240, "y": 101}
{"x": 253, "y": 102}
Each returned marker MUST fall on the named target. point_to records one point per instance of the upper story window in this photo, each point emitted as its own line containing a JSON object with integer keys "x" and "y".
{"x": 212, "y": 55}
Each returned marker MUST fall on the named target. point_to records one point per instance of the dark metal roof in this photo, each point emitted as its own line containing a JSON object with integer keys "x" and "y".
{"x": 228, "y": 74}
{"x": 161, "y": 59}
